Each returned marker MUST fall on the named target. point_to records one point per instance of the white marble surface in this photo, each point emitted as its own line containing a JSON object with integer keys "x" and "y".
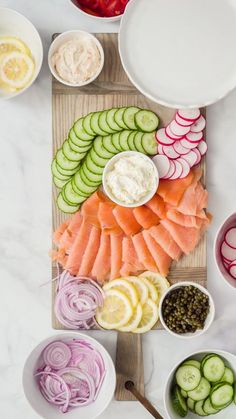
{"x": 25, "y": 228}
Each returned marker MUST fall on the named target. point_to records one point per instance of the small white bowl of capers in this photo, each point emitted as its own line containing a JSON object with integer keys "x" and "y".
{"x": 186, "y": 310}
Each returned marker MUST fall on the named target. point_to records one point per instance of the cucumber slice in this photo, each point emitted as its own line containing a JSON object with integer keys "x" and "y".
{"x": 149, "y": 143}
{"x": 202, "y": 391}
{"x": 99, "y": 161}
{"x": 119, "y": 118}
{"x": 93, "y": 177}
{"x": 64, "y": 162}
{"x": 146, "y": 121}
{"x": 72, "y": 197}
{"x": 228, "y": 376}
{"x": 71, "y": 154}
{"x": 93, "y": 167}
{"x": 129, "y": 115}
{"x": 67, "y": 173}
{"x": 213, "y": 369}
{"x": 234, "y": 393}
{"x": 131, "y": 140}
{"x": 87, "y": 124}
{"x": 102, "y": 121}
{"x": 222, "y": 395}
{"x": 77, "y": 148}
{"x": 188, "y": 377}
{"x": 77, "y": 190}
{"x": 115, "y": 138}
{"x": 208, "y": 408}
{"x": 77, "y": 141}
{"x": 124, "y": 135}
{"x": 64, "y": 206}
{"x": 178, "y": 402}
{"x": 81, "y": 187}
{"x": 111, "y": 120}
{"x": 199, "y": 408}
{"x": 56, "y": 173}
{"x": 95, "y": 124}
{"x": 193, "y": 362}
{"x": 206, "y": 357}
{"x": 86, "y": 180}
{"x": 108, "y": 145}
{"x": 190, "y": 404}
{"x": 80, "y": 131}
{"x": 184, "y": 393}
{"x": 138, "y": 142}
{"x": 58, "y": 182}
{"x": 100, "y": 149}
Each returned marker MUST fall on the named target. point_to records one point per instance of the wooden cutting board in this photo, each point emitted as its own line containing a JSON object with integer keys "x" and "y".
{"x": 113, "y": 89}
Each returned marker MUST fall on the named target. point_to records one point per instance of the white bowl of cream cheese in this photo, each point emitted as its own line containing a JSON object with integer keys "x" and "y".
{"x": 76, "y": 58}
{"x": 130, "y": 179}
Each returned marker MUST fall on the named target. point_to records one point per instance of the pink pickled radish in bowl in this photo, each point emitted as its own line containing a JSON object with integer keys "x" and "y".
{"x": 225, "y": 250}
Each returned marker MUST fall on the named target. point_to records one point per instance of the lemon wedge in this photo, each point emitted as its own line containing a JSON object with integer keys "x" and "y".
{"x": 16, "y": 69}
{"x": 126, "y": 287}
{"x": 134, "y": 320}
{"x": 149, "y": 317}
{"x": 152, "y": 291}
{"x": 117, "y": 310}
{"x": 140, "y": 286}
{"x": 160, "y": 282}
{"x": 10, "y": 43}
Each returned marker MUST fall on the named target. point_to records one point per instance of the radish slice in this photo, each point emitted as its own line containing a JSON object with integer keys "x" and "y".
{"x": 182, "y": 121}
{"x": 171, "y": 170}
{"x": 198, "y": 154}
{"x": 228, "y": 252}
{"x": 171, "y": 135}
{"x": 188, "y": 144}
{"x": 189, "y": 114}
{"x": 230, "y": 237}
{"x": 178, "y": 129}
{"x": 162, "y": 138}
{"x": 202, "y": 147}
{"x": 191, "y": 158}
{"x": 185, "y": 167}
{"x": 160, "y": 149}
{"x": 194, "y": 136}
{"x": 199, "y": 125}
{"x": 170, "y": 152}
{"x": 162, "y": 164}
{"x": 179, "y": 148}
{"x": 178, "y": 171}
{"x": 232, "y": 270}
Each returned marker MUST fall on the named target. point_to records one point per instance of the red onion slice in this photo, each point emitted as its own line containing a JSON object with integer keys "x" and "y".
{"x": 57, "y": 355}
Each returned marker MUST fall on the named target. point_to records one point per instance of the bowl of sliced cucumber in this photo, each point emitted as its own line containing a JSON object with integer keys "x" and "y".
{"x": 202, "y": 384}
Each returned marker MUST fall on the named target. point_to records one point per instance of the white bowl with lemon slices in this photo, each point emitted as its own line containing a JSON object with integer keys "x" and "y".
{"x": 21, "y": 53}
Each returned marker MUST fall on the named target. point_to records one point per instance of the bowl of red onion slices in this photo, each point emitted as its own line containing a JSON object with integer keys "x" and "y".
{"x": 69, "y": 373}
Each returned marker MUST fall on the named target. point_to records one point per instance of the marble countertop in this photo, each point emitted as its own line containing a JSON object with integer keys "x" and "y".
{"x": 25, "y": 229}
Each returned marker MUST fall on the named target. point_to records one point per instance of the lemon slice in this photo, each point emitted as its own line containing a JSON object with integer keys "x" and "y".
{"x": 10, "y": 43}
{"x": 159, "y": 281}
{"x": 141, "y": 288}
{"x": 134, "y": 320}
{"x": 126, "y": 287}
{"x": 149, "y": 317}
{"x": 16, "y": 69}
{"x": 117, "y": 310}
{"x": 152, "y": 291}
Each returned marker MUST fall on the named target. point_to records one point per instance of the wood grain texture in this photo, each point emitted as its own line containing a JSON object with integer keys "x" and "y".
{"x": 113, "y": 89}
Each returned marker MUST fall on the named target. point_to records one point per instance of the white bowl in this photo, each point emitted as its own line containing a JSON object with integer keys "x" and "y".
{"x": 229, "y": 222}
{"x": 109, "y": 167}
{"x": 13, "y": 23}
{"x": 97, "y": 18}
{"x": 67, "y": 36}
{"x": 228, "y": 413}
{"x": 47, "y": 411}
{"x": 209, "y": 318}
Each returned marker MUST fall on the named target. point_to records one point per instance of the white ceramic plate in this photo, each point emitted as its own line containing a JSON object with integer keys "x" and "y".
{"x": 180, "y": 53}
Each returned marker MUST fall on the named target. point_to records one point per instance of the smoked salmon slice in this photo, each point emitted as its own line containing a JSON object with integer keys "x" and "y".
{"x": 70, "y": 233}
{"x": 90, "y": 252}
{"x": 172, "y": 191}
{"x": 116, "y": 255}
{"x": 165, "y": 240}
{"x": 187, "y": 238}
{"x": 126, "y": 220}
{"x": 129, "y": 255}
{"x": 107, "y": 219}
{"x": 157, "y": 205}
{"x": 143, "y": 253}
{"x": 78, "y": 248}
{"x": 184, "y": 220}
{"x": 89, "y": 209}
{"x": 59, "y": 231}
{"x": 145, "y": 216}
{"x": 102, "y": 265}
{"x": 162, "y": 259}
